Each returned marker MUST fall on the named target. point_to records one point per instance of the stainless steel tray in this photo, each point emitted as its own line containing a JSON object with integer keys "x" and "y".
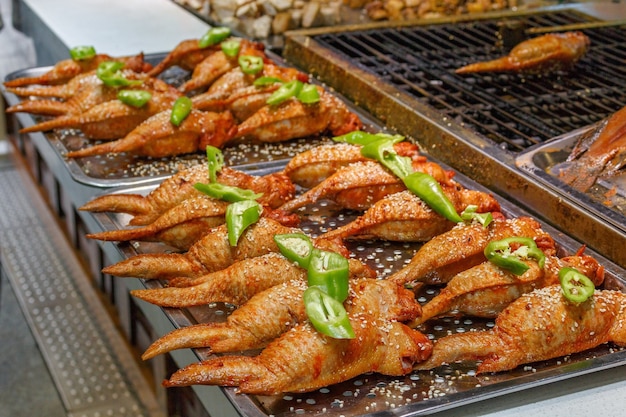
{"x": 419, "y": 393}
{"x": 114, "y": 170}
{"x": 606, "y": 199}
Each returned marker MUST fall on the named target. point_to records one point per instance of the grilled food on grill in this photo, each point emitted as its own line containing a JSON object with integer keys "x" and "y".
{"x": 462, "y": 247}
{"x": 158, "y": 137}
{"x": 211, "y": 253}
{"x": 361, "y": 184}
{"x": 293, "y": 119}
{"x": 404, "y": 217}
{"x": 67, "y": 69}
{"x": 485, "y": 290}
{"x": 537, "y": 326}
{"x": 186, "y": 55}
{"x": 382, "y": 344}
{"x": 551, "y": 52}
{"x": 599, "y": 153}
{"x": 272, "y": 312}
{"x": 112, "y": 119}
{"x": 237, "y": 283}
{"x": 276, "y": 189}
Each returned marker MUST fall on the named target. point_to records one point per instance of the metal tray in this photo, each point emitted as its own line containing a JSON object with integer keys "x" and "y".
{"x": 419, "y": 393}
{"x": 606, "y": 199}
{"x": 123, "y": 169}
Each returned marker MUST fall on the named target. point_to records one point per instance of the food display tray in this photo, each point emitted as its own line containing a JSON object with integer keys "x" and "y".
{"x": 123, "y": 169}
{"x": 606, "y": 198}
{"x": 418, "y": 393}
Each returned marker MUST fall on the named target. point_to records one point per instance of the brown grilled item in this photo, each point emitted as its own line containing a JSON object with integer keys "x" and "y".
{"x": 550, "y": 52}
{"x": 537, "y": 326}
{"x": 485, "y": 290}
{"x": 276, "y": 189}
{"x": 186, "y": 55}
{"x": 599, "y": 153}
{"x": 447, "y": 254}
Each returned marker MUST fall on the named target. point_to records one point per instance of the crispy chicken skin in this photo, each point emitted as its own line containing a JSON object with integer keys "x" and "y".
{"x": 361, "y": 184}
{"x": 62, "y": 91}
{"x": 303, "y": 359}
{"x": 537, "y": 326}
{"x": 211, "y": 253}
{"x": 485, "y": 290}
{"x": 550, "y": 52}
{"x": 404, "y": 217}
{"x": 67, "y": 69}
{"x": 600, "y": 152}
{"x": 293, "y": 119}
{"x": 462, "y": 247}
{"x": 157, "y": 137}
{"x": 111, "y": 119}
{"x": 273, "y": 311}
{"x": 276, "y": 189}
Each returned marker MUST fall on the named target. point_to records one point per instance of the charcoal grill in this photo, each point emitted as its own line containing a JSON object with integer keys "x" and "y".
{"x": 480, "y": 123}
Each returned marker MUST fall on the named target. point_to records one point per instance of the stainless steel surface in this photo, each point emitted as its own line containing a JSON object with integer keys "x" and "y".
{"x": 448, "y": 137}
{"x": 88, "y": 359}
{"x": 419, "y": 393}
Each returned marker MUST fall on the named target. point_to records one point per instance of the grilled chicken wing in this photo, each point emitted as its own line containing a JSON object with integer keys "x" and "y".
{"x": 462, "y": 247}
{"x": 61, "y": 91}
{"x": 157, "y": 137}
{"x": 601, "y": 152}
{"x": 551, "y": 52}
{"x": 85, "y": 98}
{"x": 237, "y": 283}
{"x": 112, "y": 119}
{"x": 293, "y": 119}
{"x": 537, "y": 326}
{"x": 311, "y": 167}
{"x": 361, "y": 184}
{"x": 67, "y": 69}
{"x": 404, "y": 217}
{"x": 209, "y": 254}
{"x": 217, "y": 64}
{"x": 485, "y": 290}
{"x": 272, "y": 312}
{"x": 186, "y": 55}
{"x": 276, "y": 189}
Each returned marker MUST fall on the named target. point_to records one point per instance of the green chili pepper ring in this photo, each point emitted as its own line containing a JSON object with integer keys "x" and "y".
{"x": 499, "y": 253}
{"x": 239, "y": 216}
{"x": 329, "y": 271}
{"x": 326, "y": 314}
{"x": 576, "y": 286}
{"x": 297, "y": 247}
{"x": 180, "y": 110}
{"x": 428, "y": 189}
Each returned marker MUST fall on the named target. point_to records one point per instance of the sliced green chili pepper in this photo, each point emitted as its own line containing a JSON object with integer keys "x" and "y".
{"x": 109, "y": 72}
{"x": 214, "y": 36}
{"x": 576, "y": 286}
{"x": 329, "y": 271}
{"x": 231, "y": 47}
{"x": 285, "y": 92}
{"x": 226, "y": 192}
{"x": 239, "y": 216}
{"x": 265, "y": 81}
{"x": 359, "y": 137}
{"x": 135, "y": 98}
{"x": 250, "y": 64}
{"x": 469, "y": 215}
{"x": 82, "y": 53}
{"x": 327, "y": 315}
{"x": 429, "y": 190}
{"x": 296, "y": 247}
{"x": 180, "y": 110}
{"x": 215, "y": 159}
{"x": 383, "y": 151}
{"x": 500, "y": 253}
{"x": 308, "y": 94}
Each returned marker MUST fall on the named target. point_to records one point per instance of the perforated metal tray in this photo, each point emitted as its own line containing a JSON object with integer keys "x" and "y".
{"x": 420, "y": 392}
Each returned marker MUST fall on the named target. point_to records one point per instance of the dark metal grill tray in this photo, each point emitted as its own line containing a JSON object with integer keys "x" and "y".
{"x": 419, "y": 393}
{"x": 121, "y": 169}
{"x": 403, "y": 74}
{"x": 514, "y": 110}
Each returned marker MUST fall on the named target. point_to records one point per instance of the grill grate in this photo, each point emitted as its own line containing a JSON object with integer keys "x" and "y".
{"x": 514, "y": 110}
